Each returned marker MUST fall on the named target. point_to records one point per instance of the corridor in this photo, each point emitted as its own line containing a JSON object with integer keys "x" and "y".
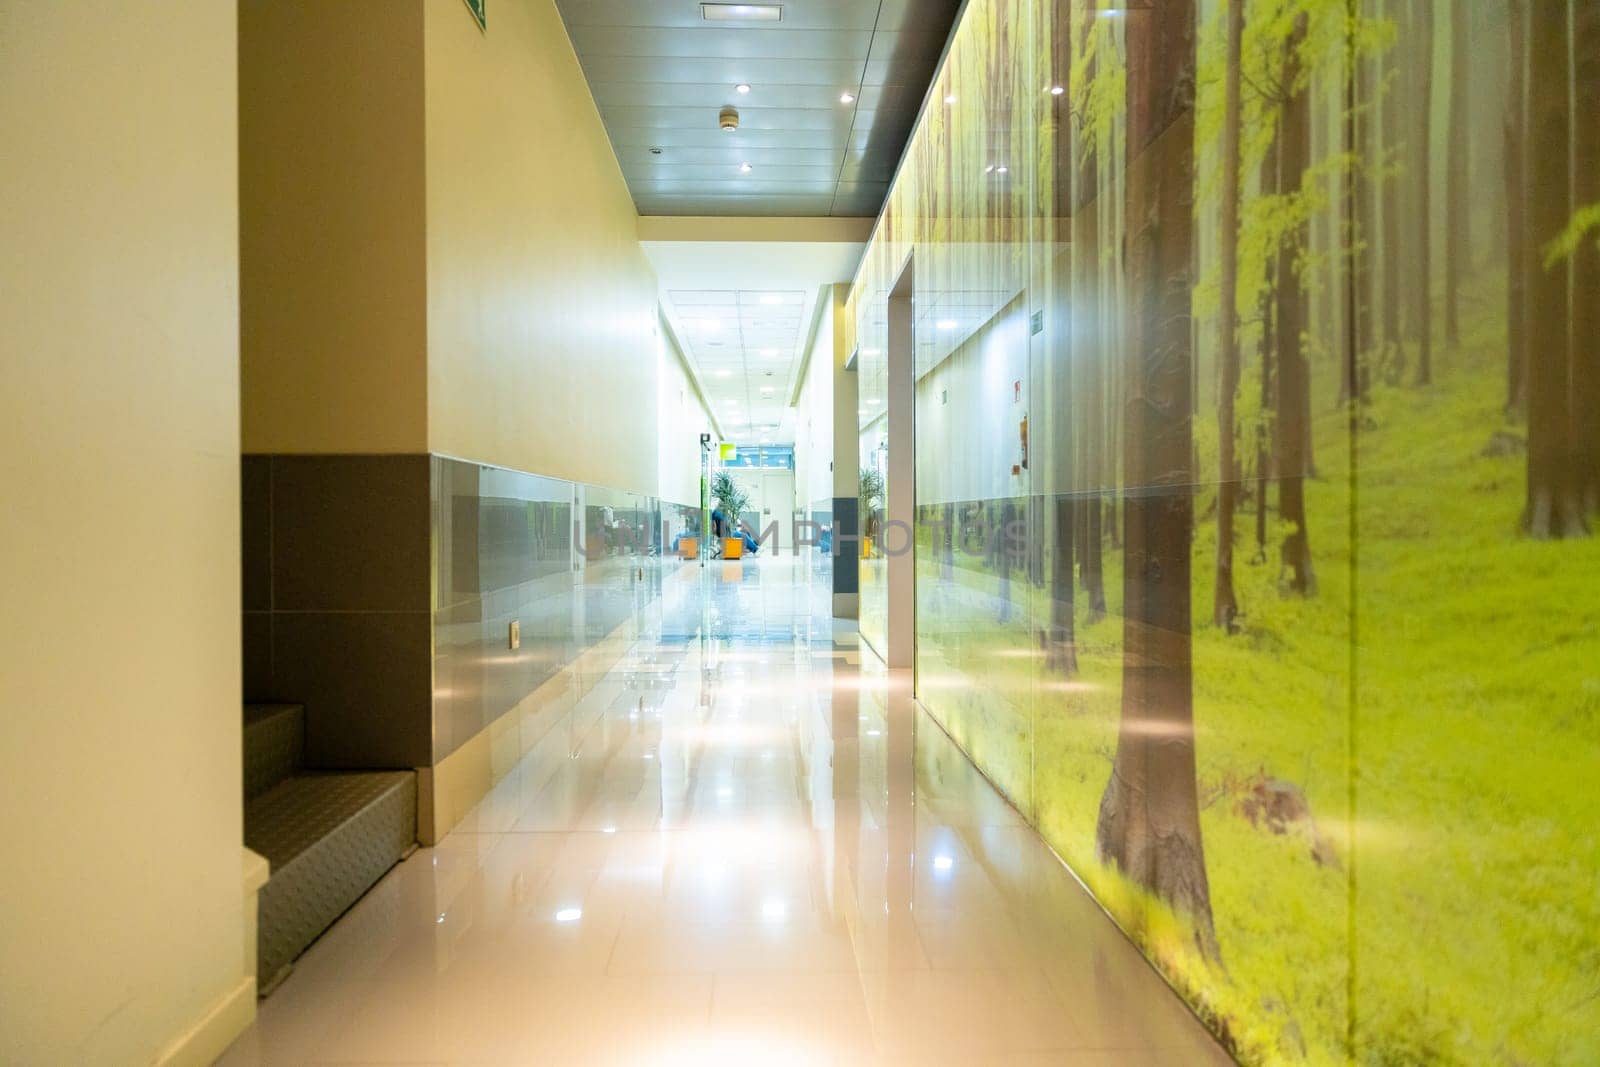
{"x": 749, "y": 846}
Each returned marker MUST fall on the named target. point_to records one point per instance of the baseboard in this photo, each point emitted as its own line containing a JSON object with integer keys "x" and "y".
{"x": 204, "y": 1042}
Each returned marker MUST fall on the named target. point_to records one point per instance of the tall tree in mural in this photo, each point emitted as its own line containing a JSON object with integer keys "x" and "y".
{"x": 1422, "y": 170}
{"x": 1586, "y": 258}
{"x": 1061, "y": 653}
{"x": 1553, "y": 505}
{"x": 1226, "y": 605}
{"x": 1293, "y": 368}
{"x": 1457, "y": 248}
{"x": 1515, "y": 164}
{"x": 1149, "y": 817}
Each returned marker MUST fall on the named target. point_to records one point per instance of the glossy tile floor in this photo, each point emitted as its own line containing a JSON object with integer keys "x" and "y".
{"x": 756, "y": 850}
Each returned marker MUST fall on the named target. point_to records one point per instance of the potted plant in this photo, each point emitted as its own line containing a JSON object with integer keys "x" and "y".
{"x": 731, "y": 500}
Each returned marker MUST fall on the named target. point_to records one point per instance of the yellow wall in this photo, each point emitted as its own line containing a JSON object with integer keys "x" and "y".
{"x": 681, "y": 420}
{"x": 541, "y": 305}
{"x": 121, "y": 926}
{"x": 334, "y": 331}
{"x": 813, "y": 431}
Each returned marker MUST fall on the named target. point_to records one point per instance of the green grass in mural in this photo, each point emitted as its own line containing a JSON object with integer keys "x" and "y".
{"x": 1476, "y": 713}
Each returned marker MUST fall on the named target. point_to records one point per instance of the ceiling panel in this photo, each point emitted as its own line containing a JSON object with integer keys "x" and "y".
{"x": 834, "y": 90}
{"x": 807, "y": 15}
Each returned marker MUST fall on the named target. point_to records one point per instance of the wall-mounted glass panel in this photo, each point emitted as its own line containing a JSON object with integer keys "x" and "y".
{"x": 1258, "y": 467}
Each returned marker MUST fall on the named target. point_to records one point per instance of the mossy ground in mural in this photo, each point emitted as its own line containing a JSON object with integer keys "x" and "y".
{"x": 1476, "y": 713}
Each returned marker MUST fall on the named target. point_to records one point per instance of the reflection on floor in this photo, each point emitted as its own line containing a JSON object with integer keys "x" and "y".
{"x": 756, "y": 851}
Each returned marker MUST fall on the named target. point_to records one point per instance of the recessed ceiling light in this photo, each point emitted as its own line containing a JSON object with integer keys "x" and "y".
{"x": 569, "y": 915}
{"x": 741, "y": 12}
{"x": 950, "y": 98}
{"x": 989, "y": 169}
{"x": 847, "y": 98}
{"x": 946, "y": 324}
{"x": 741, "y": 88}
{"x": 745, "y": 168}
{"x": 1000, "y": 169}
{"x": 724, "y": 374}
{"x": 770, "y": 353}
{"x": 1057, "y": 90}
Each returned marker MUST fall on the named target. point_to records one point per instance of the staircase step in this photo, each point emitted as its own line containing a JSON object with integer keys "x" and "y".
{"x": 274, "y": 745}
{"x": 329, "y": 838}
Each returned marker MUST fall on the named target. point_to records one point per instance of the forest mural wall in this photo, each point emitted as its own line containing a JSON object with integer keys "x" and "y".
{"x": 1258, "y": 475}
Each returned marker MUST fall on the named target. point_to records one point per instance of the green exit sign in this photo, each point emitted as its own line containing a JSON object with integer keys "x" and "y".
{"x": 477, "y": 7}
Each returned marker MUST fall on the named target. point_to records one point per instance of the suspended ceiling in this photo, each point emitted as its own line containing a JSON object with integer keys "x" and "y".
{"x": 660, "y": 72}
{"x": 740, "y": 297}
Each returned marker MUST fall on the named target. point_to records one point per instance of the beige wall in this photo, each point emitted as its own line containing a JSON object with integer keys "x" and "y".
{"x": 121, "y": 926}
{"x": 541, "y": 305}
{"x": 813, "y": 431}
{"x": 334, "y": 331}
{"x": 683, "y": 418}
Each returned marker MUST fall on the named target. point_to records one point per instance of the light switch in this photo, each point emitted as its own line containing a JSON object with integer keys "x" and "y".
{"x": 514, "y": 638}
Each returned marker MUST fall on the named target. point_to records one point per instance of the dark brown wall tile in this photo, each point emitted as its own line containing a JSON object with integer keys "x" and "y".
{"x": 350, "y": 533}
{"x": 365, "y": 679}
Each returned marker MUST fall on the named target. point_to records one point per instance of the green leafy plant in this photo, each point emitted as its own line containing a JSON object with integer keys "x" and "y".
{"x": 729, "y": 496}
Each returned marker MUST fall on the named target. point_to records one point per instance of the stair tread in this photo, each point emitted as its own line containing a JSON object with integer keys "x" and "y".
{"x": 295, "y": 814}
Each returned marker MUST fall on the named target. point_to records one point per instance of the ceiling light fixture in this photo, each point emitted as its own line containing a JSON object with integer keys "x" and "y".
{"x": 745, "y": 168}
{"x": 1057, "y": 90}
{"x": 770, "y": 353}
{"x": 724, "y": 374}
{"x": 741, "y": 12}
{"x": 946, "y": 324}
{"x": 847, "y": 98}
{"x": 771, "y": 298}
{"x": 950, "y": 98}
{"x": 741, "y": 88}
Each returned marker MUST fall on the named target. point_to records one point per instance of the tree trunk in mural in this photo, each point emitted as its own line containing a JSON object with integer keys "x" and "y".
{"x": 1361, "y": 131}
{"x": 1456, "y": 244}
{"x": 1061, "y": 653}
{"x": 1516, "y": 235}
{"x": 1149, "y": 818}
{"x": 1394, "y": 149}
{"x": 1266, "y": 346}
{"x": 1586, "y": 260}
{"x": 1226, "y": 605}
{"x": 1553, "y": 508}
{"x": 1293, "y": 368}
{"x": 1092, "y": 349}
{"x": 1424, "y": 194}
